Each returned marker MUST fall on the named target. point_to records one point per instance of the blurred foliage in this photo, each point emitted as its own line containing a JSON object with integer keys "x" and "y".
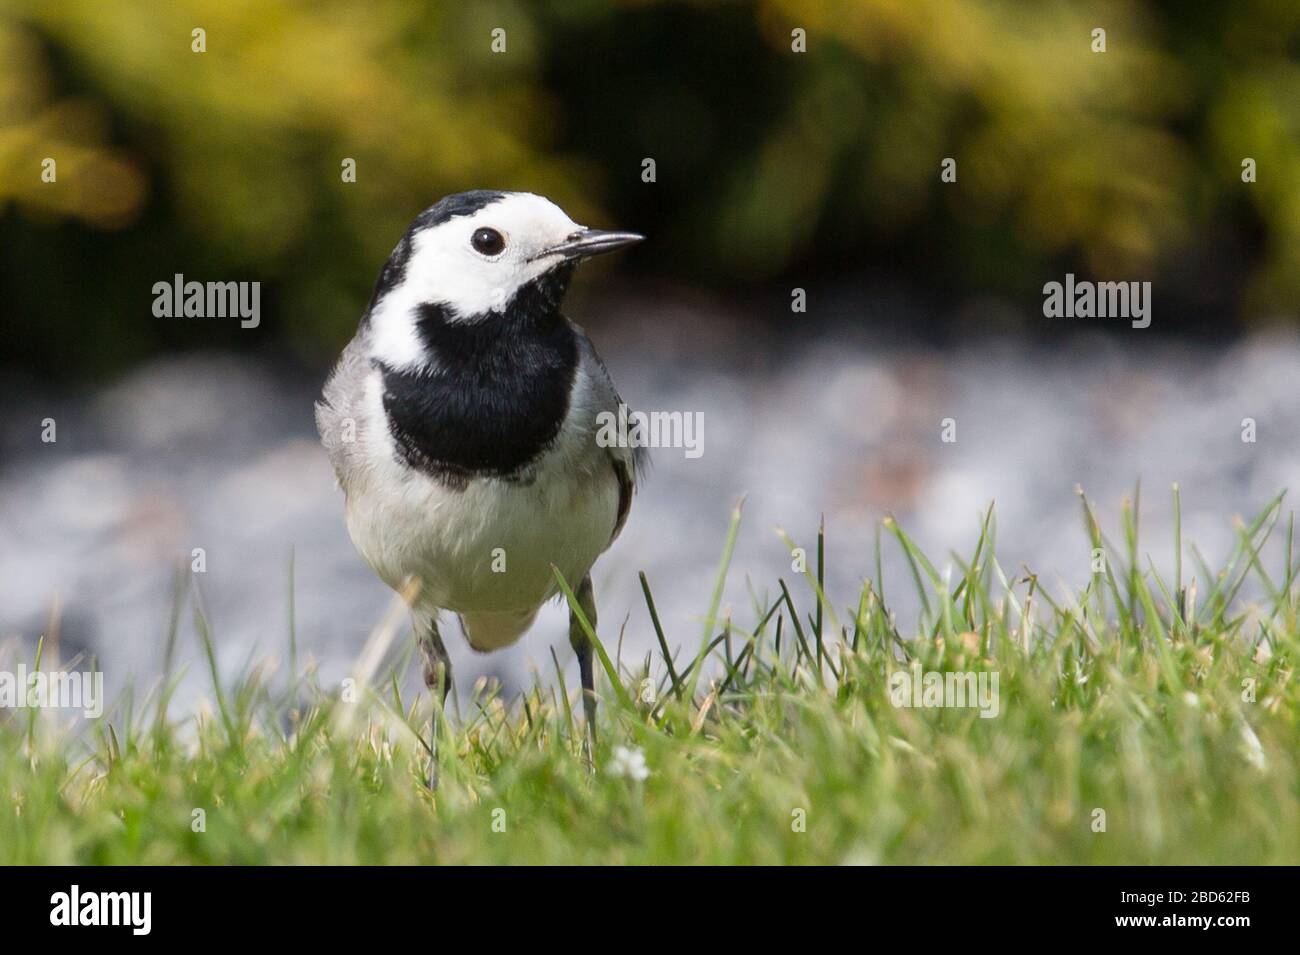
{"x": 772, "y": 165}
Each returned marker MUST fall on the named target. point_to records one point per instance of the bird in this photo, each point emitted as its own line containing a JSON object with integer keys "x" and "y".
{"x": 462, "y": 424}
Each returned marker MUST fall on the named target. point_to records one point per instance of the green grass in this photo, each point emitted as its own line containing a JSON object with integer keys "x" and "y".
{"x": 1128, "y": 698}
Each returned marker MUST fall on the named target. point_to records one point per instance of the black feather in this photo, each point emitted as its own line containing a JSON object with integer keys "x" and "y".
{"x": 495, "y": 390}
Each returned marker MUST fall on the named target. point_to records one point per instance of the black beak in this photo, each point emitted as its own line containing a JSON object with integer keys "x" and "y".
{"x": 588, "y": 242}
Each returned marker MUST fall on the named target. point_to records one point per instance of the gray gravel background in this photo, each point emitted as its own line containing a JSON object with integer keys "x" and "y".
{"x": 218, "y": 451}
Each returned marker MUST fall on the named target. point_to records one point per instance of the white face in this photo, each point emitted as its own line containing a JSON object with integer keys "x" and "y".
{"x": 459, "y": 265}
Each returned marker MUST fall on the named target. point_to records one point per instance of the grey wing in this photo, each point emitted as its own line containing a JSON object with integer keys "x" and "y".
{"x": 340, "y": 410}
{"x": 627, "y": 463}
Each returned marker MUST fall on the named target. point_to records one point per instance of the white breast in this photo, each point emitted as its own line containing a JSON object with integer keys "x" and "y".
{"x": 488, "y": 548}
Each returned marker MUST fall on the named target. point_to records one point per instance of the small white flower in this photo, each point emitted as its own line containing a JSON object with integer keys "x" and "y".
{"x": 629, "y": 763}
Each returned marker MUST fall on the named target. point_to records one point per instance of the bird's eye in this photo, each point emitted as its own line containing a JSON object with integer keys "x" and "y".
{"x": 487, "y": 241}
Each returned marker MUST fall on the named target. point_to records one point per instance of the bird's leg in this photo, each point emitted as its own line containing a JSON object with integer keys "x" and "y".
{"x": 581, "y": 644}
{"x": 437, "y": 677}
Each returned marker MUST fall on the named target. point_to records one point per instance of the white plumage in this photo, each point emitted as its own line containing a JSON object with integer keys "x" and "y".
{"x": 462, "y": 423}
{"x": 407, "y": 524}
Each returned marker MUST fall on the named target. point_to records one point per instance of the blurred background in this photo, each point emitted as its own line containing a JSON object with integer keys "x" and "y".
{"x": 774, "y": 170}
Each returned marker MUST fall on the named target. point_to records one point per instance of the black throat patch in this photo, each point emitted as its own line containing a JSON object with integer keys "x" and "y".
{"x": 496, "y": 389}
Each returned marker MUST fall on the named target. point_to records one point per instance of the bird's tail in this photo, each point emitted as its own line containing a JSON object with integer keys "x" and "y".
{"x": 491, "y": 631}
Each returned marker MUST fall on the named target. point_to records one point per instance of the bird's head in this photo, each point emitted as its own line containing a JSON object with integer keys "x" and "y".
{"x": 479, "y": 257}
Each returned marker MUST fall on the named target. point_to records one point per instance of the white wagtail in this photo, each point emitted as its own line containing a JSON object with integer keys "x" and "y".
{"x": 461, "y": 421}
